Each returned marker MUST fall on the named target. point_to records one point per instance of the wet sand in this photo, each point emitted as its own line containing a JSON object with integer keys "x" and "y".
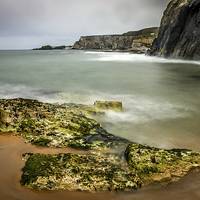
{"x": 12, "y": 148}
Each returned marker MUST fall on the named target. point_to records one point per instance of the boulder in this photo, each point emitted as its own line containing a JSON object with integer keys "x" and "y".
{"x": 112, "y": 105}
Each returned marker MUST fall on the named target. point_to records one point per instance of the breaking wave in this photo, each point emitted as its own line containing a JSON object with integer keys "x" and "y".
{"x": 127, "y": 57}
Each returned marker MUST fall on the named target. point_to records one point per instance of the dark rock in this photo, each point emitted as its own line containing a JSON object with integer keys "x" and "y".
{"x": 179, "y": 33}
{"x": 60, "y": 47}
{"x": 47, "y": 47}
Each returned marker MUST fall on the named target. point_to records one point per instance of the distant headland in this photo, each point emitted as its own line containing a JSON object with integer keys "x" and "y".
{"x": 49, "y": 47}
{"x": 132, "y": 41}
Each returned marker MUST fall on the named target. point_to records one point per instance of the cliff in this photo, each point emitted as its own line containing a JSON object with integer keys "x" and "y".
{"x": 133, "y": 41}
{"x": 179, "y": 33}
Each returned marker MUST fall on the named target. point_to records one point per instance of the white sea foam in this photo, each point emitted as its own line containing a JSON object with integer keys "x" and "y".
{"x": 95, "y": 52}
{"x": 136, "y": 109}
{"x": 127, "y": 57}
{"x": 10, "y": 91}
{"x": 141, "y": 110}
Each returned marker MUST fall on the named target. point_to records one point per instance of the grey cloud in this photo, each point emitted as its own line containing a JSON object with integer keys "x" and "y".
{"x": 40, "y": 19}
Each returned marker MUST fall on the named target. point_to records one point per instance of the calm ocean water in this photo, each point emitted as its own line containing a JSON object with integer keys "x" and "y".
{"x": 160, "y": 98}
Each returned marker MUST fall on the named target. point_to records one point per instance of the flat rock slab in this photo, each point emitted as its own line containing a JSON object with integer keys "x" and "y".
{"x": 159, "y": 166}
{"x": 93, "y": 173}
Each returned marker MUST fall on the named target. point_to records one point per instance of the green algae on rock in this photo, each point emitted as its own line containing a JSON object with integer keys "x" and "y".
{"x": 56, "y": 125}
{"x": 96, "y": 172}
{"x": 92, "y": 172}
{"x": 158, "y": 166}
{"x": 112, "y": 105}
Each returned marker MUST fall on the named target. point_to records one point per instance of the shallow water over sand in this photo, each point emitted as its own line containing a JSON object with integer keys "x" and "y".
{"x": 12, "y": 148}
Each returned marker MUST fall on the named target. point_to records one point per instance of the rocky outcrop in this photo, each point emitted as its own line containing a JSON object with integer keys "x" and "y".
{"x": 56, "y": 125}
{"x": 179, "y": 33}
{"x": 60, "y": 47}
{"x": 96, "y": 172}
{"x": 49, "y": 47}
{"x": 141, "y": 44}
{"x": 135, "y": 41}
{"x": 68, "y": 48}
{"x": 160, "y": 166}
{"x": 100, "y": 172}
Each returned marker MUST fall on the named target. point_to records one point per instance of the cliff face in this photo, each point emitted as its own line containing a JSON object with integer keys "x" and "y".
{"x": 133, "y": 41}
{"x": 179, "y": 33}
{"x": 104, "y": 42}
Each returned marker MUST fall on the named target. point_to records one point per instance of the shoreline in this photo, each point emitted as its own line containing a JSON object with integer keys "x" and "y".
{"x": 72, "y": 126}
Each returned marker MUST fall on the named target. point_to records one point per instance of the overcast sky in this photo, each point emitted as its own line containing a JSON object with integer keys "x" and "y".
{"x": 26, "y": 24}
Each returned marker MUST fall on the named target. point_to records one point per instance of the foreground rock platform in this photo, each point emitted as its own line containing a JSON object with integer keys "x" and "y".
{"x": 101, "y": 172}
{"x": 160, "y": 166}
{"x": 93, "y": 173}
{"x": 56, "y": 125}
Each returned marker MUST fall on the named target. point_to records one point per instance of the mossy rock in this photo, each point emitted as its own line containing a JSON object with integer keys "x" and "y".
{"x": 56, "y": 125}
{"x": 93, "y": 173}
{"x": 160, "y": 166}
{"x": 3, "y": 116}
{"x": 108, "y": 172}
{"x": 112, "y": 105}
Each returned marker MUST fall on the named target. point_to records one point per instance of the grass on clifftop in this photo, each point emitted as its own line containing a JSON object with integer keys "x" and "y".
{"x": 146, "y": 36}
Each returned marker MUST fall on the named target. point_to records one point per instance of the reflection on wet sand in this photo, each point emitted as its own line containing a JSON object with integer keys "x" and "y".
{"x": 12, "y": 148}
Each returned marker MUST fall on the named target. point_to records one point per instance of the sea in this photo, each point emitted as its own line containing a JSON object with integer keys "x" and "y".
{"x": 160, "y": 98}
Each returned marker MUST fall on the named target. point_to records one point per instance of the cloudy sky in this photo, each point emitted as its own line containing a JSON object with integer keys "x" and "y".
{"x": 26, "y": 24}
